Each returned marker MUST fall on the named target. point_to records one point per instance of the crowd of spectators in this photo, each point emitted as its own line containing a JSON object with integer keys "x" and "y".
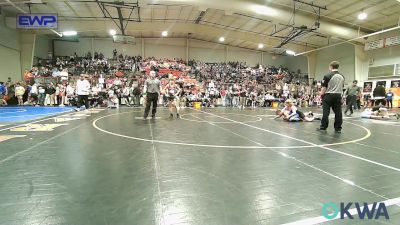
{"x": 231, "y": 84}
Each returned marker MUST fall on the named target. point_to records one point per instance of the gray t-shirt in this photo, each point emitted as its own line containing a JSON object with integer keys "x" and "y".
{"x": 153, "y": 86}
{"x": 353, "y": 90}
{"x": 334, "y": 83}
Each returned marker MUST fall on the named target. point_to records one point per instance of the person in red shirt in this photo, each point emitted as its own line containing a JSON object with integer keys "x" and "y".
{"x": 223, "y": 96}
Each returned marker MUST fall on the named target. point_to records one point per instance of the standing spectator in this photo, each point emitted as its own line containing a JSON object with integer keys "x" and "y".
{"x": 19, "y": 93}
{"x": 50, "y": 94}
{"x": 34, "y": 94}
{"x": 82, "y": 90}
{"x": 229, "y": 95}
{"x": 62, "y": 90}
{"x": 223, "y": 97}
{"x": 69, "y": 93}
{"x": 389, "y": 99}
{"x": 125, "y": 94}
{"x": 57, "y": 98}
{"x": 136, "y": 94}
{"x": 3, "y": 93}
{"x": 115, "y": 54}
{"x": 152, "y": 88}
{"x": 235, "y": 99}
{"x": 351, "y": 100}
{"x": 331, "y": 92}
{"x": 242, "y": 94}
{"x": 379, "y": 95}
{"x": 42, "y": 95}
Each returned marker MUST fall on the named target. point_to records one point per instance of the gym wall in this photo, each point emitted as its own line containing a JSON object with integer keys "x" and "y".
{"x": 344, "y": 53}
{"x": 10, "y": 63}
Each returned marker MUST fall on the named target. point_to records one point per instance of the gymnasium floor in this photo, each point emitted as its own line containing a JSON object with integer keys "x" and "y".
{"x": 11, "y": 114}
{"x": 214, "y": 166}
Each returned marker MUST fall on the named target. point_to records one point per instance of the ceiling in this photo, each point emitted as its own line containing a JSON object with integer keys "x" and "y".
{"x": 242, "y": 26}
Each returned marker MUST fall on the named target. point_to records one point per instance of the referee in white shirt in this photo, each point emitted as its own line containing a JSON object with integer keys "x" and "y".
{"x": 82, "y": 90}
{"x": 152, "y": 88}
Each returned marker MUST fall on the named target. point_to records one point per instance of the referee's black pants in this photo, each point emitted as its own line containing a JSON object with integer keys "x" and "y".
{"x": 81, "y": 99}
{"x": 333, "y": 101}
{"x": 151, "y": 98}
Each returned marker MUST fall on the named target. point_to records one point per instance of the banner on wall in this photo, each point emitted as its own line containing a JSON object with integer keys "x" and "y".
{"x": 367, "y": 87}
{"x": 382, "y": 43}
{"x": 393, "y": 85}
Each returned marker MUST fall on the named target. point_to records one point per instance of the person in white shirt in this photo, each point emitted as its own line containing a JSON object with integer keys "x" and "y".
{"x": 34, "y": 94}
{"x": 69, "y": 93}
{"x": 117, "y": 82}
{"x": 19, "y": 93}
{"x": 62, "y": 91}
{"x": 125, "y": 95}
{"x": 57, "y": 94}
{"x": 82, "y": 90}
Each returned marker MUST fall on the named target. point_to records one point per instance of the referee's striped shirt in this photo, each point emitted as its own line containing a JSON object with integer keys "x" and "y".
{"x": 334, "y": 82}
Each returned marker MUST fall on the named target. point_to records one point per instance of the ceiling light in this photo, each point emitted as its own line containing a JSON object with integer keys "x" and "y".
{"x": 260, "y": 45}
{"x": 164, "y": 33}
{"x": 362, "y": 16}
{"x": 113, "y": 32}
{"x": 264, "y": 10}
{"x": 69, "y": 33}
{"x": 221, "y": 39}
{"x": 290, "y": 52}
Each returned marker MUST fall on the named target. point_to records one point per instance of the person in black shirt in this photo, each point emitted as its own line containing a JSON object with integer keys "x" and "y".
{"x": 331, "y": 92}
{"x": 379, "y": 95}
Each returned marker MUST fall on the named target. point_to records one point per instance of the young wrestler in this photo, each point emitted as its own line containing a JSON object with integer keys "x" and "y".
{"x": 172, "y": 91}
{"x": 378, "y": 113}
{"x": 290, "y": 113}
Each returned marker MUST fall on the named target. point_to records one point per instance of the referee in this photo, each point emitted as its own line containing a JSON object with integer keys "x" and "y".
{"x": 331, "y": 92}
{"x": 151, "y": 89}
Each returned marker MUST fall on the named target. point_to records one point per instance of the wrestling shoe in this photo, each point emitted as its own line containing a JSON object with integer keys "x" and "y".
{"x": 177, "y": 116}
{"x": 338, "y": 131}
{"x": 321, "y": 129}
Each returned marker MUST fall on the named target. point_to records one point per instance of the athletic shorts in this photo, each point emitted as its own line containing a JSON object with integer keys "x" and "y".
{"x": 301, "y": 114}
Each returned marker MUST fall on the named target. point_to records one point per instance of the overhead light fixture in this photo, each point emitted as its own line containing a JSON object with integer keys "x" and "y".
{"x": 113, "y": 32}
{"x": 164, "y": 33}
{"x": 264, "y": 10}
{"x": 260, "y": 45}
{"x": 221, "y": 39}
{"x": 362, "y": 16}
{"x": 290, "y": 52}
{"x": 69, "y": 33}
